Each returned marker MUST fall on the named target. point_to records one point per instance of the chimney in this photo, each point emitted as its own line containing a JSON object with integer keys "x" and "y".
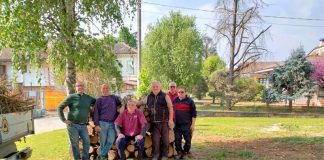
{"x": 321, "y": 42}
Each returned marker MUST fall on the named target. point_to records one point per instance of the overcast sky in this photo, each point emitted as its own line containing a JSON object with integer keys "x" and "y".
{"x": 285, "y": 34}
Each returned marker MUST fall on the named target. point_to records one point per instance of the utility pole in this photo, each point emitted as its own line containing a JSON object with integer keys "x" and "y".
{"x": 139, "y": 39}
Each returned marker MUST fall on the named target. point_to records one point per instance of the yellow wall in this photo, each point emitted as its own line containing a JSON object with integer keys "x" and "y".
{"x": 53, "y": 98}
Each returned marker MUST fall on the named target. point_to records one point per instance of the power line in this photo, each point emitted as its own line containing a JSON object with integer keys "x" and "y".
{"x": 280, "y": 24}
{"x": 204, "y": 10}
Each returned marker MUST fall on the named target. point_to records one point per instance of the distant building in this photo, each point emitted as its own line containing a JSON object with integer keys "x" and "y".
{"x": 37, "y": 83}
{"x": 128, "y": 57}
{"x": 260, "y": 70}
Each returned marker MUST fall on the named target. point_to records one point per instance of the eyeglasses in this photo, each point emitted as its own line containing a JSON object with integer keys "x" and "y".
{"x": 181, "y": 92}
{"x": 172, "y": 86}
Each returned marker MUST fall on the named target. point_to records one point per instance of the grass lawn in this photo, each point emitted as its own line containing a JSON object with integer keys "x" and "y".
{"x": 223, "y": 138}
{"x": 257, "y": 107}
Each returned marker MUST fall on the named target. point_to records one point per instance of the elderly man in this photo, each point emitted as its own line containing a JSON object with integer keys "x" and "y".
{"x": 79, "y": 107}
{"x": 105, "y": 113}
{"x": 172, "y": 91}
{"x": 161, "y": 116}
{"x": 130, "y": 125}
{"x": 185, "y": 118}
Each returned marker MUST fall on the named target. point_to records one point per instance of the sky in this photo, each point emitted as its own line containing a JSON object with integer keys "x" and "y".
{"x": 283, "y": 36}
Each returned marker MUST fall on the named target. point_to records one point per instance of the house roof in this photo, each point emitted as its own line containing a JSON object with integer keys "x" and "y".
{"x": 123, "y": 48}
{"x": 257, "y": 66}
{"x": 5, "y": 55}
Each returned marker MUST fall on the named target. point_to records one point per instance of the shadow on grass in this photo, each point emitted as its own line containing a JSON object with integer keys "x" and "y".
{"x": 300, "y": 140}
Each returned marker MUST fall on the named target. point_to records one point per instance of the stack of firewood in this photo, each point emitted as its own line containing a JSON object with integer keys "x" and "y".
{"x": 13, "y": 101}
{"x": 130, "y": 150}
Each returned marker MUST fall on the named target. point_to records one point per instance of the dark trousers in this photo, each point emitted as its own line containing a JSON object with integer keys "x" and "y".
{"x": 179, "y": 131}
{"x": 123, "y": 142}
{"x": 160, "y": 139}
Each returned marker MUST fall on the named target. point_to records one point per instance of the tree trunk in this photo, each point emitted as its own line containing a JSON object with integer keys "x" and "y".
{"x": 214, "y": 97}
{"x": 290, "y": 105}
{"x": 67, "y": 32}
{"x": 232, "y": 56}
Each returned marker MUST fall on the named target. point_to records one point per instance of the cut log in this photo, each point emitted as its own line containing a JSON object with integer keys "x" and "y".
{"x": 112, "y": 155}
{"x": 94, "y": 139}
{"x": 114, "y": 146}
{"x": 148, "y": 142}
{"x": 171, "y": 136}
{"x": 91, "y": 149}
{"x": 126, "y": 153}
{"x": 90, "y": 130}
{"x": 171, "y": 151}
{"x": 146, "y": 113}
{"x": 148, "y": 152}
{"x": 131, "y": 148}
{"x": 98, "y": 150}
{"x": 136, "y": 154}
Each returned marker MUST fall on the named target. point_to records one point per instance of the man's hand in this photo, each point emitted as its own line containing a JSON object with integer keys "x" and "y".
{"x": 192, "y": 127}
{"x": 67, "y": 122}
{"x": 97, "y": 129}
{"x": 139, "y": 137}
{"x": 171, "y": 124}
{"x": 120, "y": 136}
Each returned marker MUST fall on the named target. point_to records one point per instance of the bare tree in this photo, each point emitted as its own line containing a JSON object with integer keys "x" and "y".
{"x": 240, "y": 24}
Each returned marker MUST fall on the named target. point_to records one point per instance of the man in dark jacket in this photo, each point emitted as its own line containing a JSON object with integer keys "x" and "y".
{"x": 185, "y": 118}
{"x": 161, "y": 118}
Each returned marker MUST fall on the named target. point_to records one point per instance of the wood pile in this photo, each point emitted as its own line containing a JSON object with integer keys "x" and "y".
{"x": 131, "y": 149}
{"x": 13, "y": 101}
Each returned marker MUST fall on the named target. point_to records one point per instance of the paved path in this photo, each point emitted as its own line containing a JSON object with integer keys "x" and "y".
{"x": 48, "y": 123}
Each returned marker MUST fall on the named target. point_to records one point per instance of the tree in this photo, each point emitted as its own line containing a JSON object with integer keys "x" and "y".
{"x": 270, "y": 96}
{"x": 212, "y": 64}
{"x": 218, "y": 83}
{"x": 65, "y": 30}
{"x": 172, "y": 50}
{"x": 125, "y": 36}
{"x": 236, "y": 25}
{"x": 200, "y": 89}
{"x": 145, "y": 85}
{"x": 209, "y": 47}
{"x": 318, "y": 74}
{"x": 293, "y": 78}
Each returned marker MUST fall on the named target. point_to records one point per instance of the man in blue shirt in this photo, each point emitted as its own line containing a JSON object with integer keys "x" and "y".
{"x": 105, "y": 113}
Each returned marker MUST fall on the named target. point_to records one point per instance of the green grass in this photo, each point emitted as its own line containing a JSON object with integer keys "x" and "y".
{"x": 54, "y": 145}
{"x": 258, "y": 108}
{"x": 224, "y": 154}
{"x": 255, "y": 128}
{"x": 51, "y": 145}
{"x": 300, "y": 140}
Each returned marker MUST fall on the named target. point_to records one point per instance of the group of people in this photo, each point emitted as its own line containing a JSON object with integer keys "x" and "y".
{"x": 172, "y": 110}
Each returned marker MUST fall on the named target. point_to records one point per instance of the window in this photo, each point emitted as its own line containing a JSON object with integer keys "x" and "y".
{"x": 262, "y": 81}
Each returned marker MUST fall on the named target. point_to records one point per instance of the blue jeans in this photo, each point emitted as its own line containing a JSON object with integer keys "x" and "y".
{"x": 76, "y": 130}
{"x": 123, "y": 142}
{"x": 107, "y": 137}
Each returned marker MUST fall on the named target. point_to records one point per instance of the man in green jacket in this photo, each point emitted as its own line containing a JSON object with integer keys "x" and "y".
{"x": 79, "y": 107}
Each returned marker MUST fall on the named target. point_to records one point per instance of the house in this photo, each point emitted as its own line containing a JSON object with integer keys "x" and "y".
{"x": 37, "y": 83}
{"x": 128, "y": 57}
{"x": 317, "y": 53}
{"x": 260, "y": 70}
